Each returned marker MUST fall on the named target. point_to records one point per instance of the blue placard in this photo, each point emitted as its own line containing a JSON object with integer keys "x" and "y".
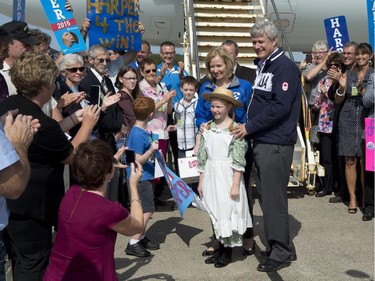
{"x": 114, "y": 24}
{"x": 182, "y": 194}
{"x": 337, "y": 32}
{"x": 64, "y": 26}
{"x": 19, "y": 10}
{"x": 371, "y": 22}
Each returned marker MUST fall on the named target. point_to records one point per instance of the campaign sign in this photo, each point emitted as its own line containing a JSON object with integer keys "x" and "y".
{"x": 19, "y": 10}
{"x": 337, "y": 32}
{"x": 371, "y": 22}
{"x": 64, "y": 26}
{"x": 370, "y": 143}
{"x": 114, "y": 24}
{"x": 182, "y": 194}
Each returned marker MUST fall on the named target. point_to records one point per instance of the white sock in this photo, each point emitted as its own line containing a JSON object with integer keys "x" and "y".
{"x": 133, "y": 241}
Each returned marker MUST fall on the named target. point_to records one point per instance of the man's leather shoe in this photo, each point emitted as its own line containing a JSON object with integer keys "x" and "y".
{"x": 367, "y": 216}
{"x": 272, "y": 265}
{"x": 149, "y": 245}
{"x": 137, "y": 250}
{"x": 322, "y": 193}
{"x": 336, "y": 199}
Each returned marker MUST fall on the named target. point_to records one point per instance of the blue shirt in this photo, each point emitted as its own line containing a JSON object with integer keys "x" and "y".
{"x": 172, "y": 81}
{"x": 140, "y": 141}
{"x": 8, "y": 157}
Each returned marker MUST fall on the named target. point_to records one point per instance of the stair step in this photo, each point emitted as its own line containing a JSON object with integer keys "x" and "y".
{"x": 223, "y": 24}
{"x": 223, "y": 15}
{"x": 207, "y": 6}
{"x": 224, "y": 33}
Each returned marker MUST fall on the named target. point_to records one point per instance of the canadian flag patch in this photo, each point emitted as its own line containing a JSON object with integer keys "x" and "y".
{"x": 285, "y": 86}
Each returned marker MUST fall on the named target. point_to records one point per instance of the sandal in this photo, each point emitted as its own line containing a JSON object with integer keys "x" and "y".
{"x": 352, "y": 210}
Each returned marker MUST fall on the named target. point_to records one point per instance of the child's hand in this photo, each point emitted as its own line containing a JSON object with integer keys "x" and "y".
{"x": 202, "y": 127}
{"x": 234, "y": 192}
{"x": 200, "y": 190}
{"x": 154, "y": 146}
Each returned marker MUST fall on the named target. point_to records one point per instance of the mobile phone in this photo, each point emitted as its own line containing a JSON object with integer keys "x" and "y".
{"x": 129, "y": 156}
{"x": 94, "y": 95}
{"x": 308, "y": 58}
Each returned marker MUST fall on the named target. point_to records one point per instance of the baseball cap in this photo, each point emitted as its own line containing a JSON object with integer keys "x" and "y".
{"x": 20, "y": 31}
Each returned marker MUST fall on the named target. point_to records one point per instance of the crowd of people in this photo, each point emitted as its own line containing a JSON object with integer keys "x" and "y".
{"x": 67, "y": 120}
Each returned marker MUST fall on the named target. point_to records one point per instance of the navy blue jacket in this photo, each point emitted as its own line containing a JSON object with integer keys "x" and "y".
{"x": 275, "y": 104}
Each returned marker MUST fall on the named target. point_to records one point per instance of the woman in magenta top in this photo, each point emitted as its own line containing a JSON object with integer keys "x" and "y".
{"x": 88, "y": 222}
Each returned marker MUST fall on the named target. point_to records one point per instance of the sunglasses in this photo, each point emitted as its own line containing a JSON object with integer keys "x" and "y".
{"x": 130, "y": 78}
{"x": 149, "y": 70}
{"x": 103, "y": 60}
{"x": 75, "y": 69}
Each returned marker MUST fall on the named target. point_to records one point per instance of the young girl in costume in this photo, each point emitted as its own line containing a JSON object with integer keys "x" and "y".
{"x": 221, "y": 162}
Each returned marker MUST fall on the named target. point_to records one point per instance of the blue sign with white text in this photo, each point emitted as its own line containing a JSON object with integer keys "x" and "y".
{"x": 19, "y": 10}
{"x": 114, "y": 24}
{"x": 337, "y": 33}
{"x": 371, "y": 22}
{"x": 64, "y": 26}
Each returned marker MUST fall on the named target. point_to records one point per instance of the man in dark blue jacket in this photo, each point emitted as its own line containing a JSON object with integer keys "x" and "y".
{"x": 271, "y": 124}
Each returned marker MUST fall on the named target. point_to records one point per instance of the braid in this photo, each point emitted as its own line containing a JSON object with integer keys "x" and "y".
{"x": 208, "y": 127}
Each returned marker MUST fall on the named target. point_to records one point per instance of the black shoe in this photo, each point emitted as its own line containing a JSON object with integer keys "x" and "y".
{"x": 214, "y": 258}
{"x": 222, "y": 262}
{"x": 322, "y": 193}
{"x": 272, "y": 265}
{"x": 149, "y": 245}
{"x": 137, "y": 250}
{"x": 367, "y": 216}
{"x": 336, "y": 199}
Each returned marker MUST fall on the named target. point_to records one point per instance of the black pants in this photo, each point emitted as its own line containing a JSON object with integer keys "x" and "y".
{"x": 29, "y": 244}
{"x": 327, "y": 149}
{"x": 272, "y": 165}
{"x": 249, "y": 164}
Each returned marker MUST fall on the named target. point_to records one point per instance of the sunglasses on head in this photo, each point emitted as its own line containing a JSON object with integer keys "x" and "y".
{"x": 75, "y": 69}
{"x": 149, "y": 70}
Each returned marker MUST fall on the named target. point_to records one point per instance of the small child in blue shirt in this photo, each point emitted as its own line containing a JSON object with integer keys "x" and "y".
{"x": 144, "y": 147}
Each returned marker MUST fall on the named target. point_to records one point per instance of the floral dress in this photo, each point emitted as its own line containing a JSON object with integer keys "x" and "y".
{"x": 220, "y": 154}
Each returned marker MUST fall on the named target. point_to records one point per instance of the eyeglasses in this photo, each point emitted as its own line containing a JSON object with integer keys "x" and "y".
{"x": 149, "y": 70}
{"x": 320, "y": 53}
{"x": 169, "y": 54}
{"x": 130, "y": 78}
{"x": 347, "y": 53}
{"x": 75, "y": 69}
{"x": 103, "y": 60}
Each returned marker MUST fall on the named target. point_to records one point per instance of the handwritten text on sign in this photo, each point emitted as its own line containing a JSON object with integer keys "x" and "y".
{"x": 115, "y": 24}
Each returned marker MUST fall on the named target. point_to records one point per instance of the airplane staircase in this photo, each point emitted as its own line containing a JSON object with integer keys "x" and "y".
{"x": 210, "y": 22}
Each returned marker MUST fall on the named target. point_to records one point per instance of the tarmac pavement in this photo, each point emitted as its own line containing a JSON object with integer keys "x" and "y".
{"x": 330, "y": 243}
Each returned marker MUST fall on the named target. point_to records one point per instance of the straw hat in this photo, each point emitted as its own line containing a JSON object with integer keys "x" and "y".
{"x": 222, "y": 93}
